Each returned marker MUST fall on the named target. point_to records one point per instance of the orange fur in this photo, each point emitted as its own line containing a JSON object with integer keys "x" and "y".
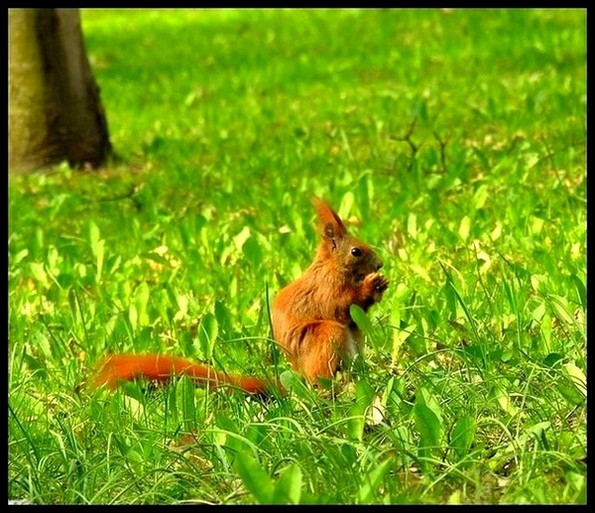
{"x": 126, "y": 367}
{"x": 311, "y": 320}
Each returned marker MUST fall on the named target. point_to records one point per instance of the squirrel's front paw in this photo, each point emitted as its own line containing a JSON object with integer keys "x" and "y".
{"x": 380, "y": 283}
{"x": 376, "y": 284}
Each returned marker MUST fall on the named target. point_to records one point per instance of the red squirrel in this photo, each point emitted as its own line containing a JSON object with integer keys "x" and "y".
{"x": 311, "y": 320}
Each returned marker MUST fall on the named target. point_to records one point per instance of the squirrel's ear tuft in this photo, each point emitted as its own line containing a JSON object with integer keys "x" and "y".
{"x": 330, "y": 223}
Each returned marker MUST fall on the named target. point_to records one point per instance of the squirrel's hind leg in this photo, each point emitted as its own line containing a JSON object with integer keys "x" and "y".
{"x": 320, "y": 347}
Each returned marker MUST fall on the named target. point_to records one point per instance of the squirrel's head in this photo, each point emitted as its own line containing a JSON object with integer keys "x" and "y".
{"x": 352, "y": 256}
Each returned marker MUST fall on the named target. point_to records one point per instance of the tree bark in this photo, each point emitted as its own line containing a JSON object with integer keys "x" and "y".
{"x": 55, "y": 112}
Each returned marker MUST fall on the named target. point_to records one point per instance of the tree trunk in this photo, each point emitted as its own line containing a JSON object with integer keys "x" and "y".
{"x": 55, "y": 113}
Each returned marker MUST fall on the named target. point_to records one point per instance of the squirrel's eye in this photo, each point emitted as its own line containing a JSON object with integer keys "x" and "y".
{"x": 356, "y": 252}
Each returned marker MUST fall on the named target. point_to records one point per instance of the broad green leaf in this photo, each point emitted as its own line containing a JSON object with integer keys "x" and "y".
{"x": 540, "y": 283}
{"x": 428, "y": 425}
{"x": 510, "y": 295}
{"x": 497, "y": 231}
{"x": 224, "y": 317}
{"x": 395, "y": 315}
{"x": 423, "y": 396}
{"x": 241, "y": 238}
{"x": 420, "y": 271}
{"x": 536, "y": 224}
{"x": 253, "y": 252}
{"x": 366, "y": 193}
{"x": 571, "y": 394}
{"x": 363, "y": 323}
{"x": 464, "y": 228}
{"x": 185, "y": 389}
{"x": 171, "y": 406}
{"x": 371, "y": 482}
{"x": 288, "y": 488}
{"x": 538, "y": 313}
{"x": 182, "y": 302}
{"x": 18, "y": 257}
{"x": 355, "y": 424}
{"x": 532, "y": 159}
{"x": 562, "y": 308}
{"x": 73, "y": 301}
{"x": 133, "y": 316}
{"x": 346, "y": 204}
{"x": 399, "y": 337}
{"x": 93, "y": 236}
{"x": 480, "y": 196}
{"x": 207, "y": 335}
{"x": 577, "y": 377}
{"x": 581, "y": 291}
{"x": 36, "y": 365}
{"x": 412, "y": 225}
{"x": 99, "y": 255}
{"x": 482, "y": 158}
{"x": 463, "y": 435}
{"x": 42, "y": 343}
{"x": 52, "y": 259}
{"x": 421, "y": 110}
{"x": 141, "y": 301}
{"x": 38, "y": 271}
{"x": 552, "y": 359}
{"x": 579, "y": 482}
{"x": 81, "y": 269}
{"x": 504, "y": 401}
{"x": 454, "y": 498}
{"x": 133, "y": 399}
{"x": 157, "y": 256}
{"x": 255, "y": 478}
{"x": 539, "y": 430}
{"x": 364, "y": 395}
{"x": 293, "y": 382}
{"x": 546, "y": 331}
{"x": 376, "y": 412}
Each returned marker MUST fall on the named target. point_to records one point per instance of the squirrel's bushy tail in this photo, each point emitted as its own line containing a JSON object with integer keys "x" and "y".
{"x": 127, "y": 367}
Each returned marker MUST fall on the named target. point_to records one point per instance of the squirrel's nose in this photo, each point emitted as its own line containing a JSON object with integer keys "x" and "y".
{"x": 379, "y": 265}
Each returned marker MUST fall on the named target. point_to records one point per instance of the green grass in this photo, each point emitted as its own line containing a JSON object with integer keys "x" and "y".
{"x": 456, "y": 138}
